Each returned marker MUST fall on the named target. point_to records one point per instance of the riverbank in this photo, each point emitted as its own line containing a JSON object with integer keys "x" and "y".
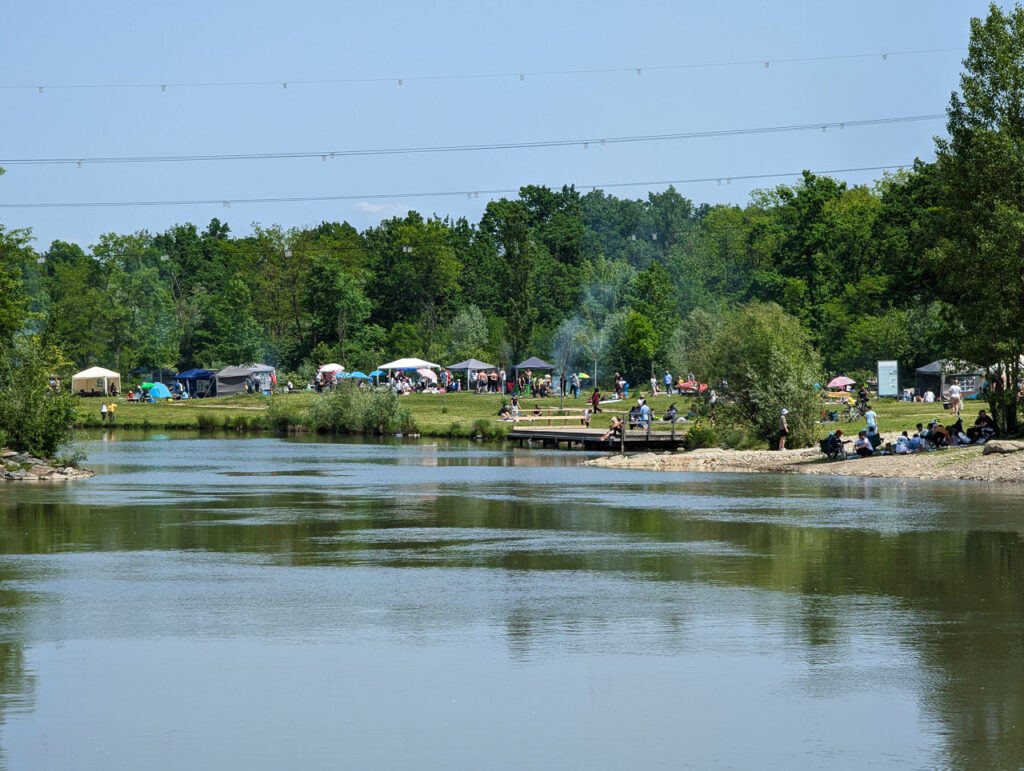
{"x": 962, "y": 463}
{"x": 465, "y": 415}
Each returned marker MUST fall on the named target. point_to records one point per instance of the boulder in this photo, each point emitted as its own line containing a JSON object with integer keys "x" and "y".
{"x": 41, "y": 471}
{"x": 16, "y": 474}
{"x": 1002, "y": 446}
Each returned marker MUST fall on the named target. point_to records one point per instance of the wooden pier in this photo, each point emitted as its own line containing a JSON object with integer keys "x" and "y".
{"x": 590, "y": 438}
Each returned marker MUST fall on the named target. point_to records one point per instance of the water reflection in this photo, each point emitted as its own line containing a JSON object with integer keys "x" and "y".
{"x": 854, "y": 621}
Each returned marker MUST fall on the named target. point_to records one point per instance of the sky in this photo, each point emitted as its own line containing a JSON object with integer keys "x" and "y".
{"x": 128, "y": 80}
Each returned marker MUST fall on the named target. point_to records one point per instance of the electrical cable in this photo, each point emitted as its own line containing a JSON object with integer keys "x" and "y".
{"x": 585, "y": 143}
{"x": 227, "y": 202}
{"x": 521, "y": 75}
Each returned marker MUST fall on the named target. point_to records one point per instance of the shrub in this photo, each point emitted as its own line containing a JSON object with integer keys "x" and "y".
{"x": 700, "y": 436}
{"x": 282, "y": 416}
{"x": 349, "y": 410}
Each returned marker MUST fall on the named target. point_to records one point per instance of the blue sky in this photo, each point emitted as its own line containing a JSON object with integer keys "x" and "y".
{"x": 578, "y": 60}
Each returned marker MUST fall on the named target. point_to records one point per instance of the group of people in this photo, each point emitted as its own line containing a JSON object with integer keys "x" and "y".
{"x": 934, "y": 436}
{"x": 492, "y": 381}
{"x": 107, "y": 412}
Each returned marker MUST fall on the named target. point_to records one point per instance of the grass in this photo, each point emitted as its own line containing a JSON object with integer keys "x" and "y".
{"x": 458, "y": 415}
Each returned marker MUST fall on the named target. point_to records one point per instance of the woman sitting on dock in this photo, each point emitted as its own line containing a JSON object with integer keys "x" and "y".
{"x": 614, "y": 429}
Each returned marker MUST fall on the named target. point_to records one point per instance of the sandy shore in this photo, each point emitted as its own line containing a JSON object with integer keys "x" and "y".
{"x": 966, "y": 463}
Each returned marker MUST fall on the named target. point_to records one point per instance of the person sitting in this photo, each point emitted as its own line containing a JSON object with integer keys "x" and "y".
{"x": 902, "y": 446}
{"x": 645, "y": 414}
{"x": 862, "y": 446}
{"x": 835, "y": 443}
{"x": 984, "y": 427}
{"x": 505, "y": 413}
{"x": 938, "y": 436}
{"x": 131, "y": 396}
{"x": 634, "y": 416}
{"x": 671, "y": 414}
{"x": 874, "y": 438}
{"x": 615, "y": 429}
{"x": 692, "y": 413}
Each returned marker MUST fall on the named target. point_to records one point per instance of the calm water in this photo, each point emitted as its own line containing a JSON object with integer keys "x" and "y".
{"x": 271, "y": 604}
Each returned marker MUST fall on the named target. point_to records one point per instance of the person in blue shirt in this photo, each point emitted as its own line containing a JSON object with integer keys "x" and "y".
{"x": 871, "y": 417}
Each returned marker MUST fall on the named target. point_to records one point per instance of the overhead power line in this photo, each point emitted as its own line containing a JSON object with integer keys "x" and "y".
{"x": 227, "y": 202}
{"x": 522, "y": 75}
{"x": 585, "y": 143}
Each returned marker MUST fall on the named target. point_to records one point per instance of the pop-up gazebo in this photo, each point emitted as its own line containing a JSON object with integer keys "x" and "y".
{"x": 95, "y": 381}
{"x": 407, "y": 364}
{"x": 197, "y": 382}
{"x": 532, "y": 363}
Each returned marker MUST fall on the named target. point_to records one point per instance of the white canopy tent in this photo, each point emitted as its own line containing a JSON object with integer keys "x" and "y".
{"x": 408, "y": 364}
{"x": 95, "y": 380}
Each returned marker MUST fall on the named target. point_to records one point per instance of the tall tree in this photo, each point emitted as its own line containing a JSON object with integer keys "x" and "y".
{"x": 981, "y": 258}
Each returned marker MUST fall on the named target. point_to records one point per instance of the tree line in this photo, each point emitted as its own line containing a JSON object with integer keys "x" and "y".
{"x": 925, "y": 263}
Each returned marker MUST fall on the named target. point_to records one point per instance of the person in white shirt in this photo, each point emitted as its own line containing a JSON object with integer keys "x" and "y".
{"x": 956, "y": 398}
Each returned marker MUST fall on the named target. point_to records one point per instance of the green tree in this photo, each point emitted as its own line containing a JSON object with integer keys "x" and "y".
{"x": 507, "y": 224}
{"x": 769, "y": 362}
{"x": 32, "y": 419}
{"x": 467, "y": 334}
{"x": 981, "y": 256}
{"x": 15, "y": 254}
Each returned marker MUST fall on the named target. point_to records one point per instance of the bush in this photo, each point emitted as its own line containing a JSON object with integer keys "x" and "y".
{"x": 700, "y": 436}
{"x": 33, "y": 419}
{"x": 349, "y": 410}
{"x": 283, "y": 416}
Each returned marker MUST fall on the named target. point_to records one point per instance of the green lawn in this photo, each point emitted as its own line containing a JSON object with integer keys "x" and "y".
{"x": 457, "y": 419}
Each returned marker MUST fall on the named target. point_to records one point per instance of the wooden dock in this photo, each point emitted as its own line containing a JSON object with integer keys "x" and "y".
{"x": 590, "y": 438}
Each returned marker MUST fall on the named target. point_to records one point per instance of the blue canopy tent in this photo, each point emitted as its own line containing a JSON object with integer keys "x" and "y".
{"x": 197, "y": 382}
{"x": 159, "y": 391}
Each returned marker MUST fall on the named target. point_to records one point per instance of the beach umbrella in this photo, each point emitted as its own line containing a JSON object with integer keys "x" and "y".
{"x": 357, "y": 373}
{"x": 147, "y": 385}
{"x": 583, "y": 376}
{"x": 840, "y": 382}
{"x": 331, "y": 368}
{"x": 378, "y": 373}
{"x": 428, "y": 374}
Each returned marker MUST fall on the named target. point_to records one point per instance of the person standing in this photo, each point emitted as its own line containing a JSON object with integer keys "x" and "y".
{"x": 871, "y": 417}
{"x": 595, "y": 400}
{"x": 956, "y": 398}
{"x": 575, "y": 385}
{"x": 668, "y": 382}
{"x": 111, "y": 408}
{"x": 783, "y": 429}
{"x": 103, "y": 412}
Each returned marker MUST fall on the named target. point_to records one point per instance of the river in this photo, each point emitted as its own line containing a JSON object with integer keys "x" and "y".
{"x": 269, "y": 603}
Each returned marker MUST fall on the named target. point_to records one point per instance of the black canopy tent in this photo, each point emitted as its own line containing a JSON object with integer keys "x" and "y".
{"x": 532, "y": 363}
{"x": 937, "y": 375}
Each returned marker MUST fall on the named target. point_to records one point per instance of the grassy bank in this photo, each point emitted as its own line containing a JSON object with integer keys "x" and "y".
{"x": 460, "y": 415}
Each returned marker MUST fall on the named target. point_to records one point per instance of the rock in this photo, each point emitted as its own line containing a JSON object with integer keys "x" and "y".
{"x": 5, "y": 453}
{"x": 41, "y": 471}
{"x": 16, "y": 474}
{"x": 1002, "y": 446}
